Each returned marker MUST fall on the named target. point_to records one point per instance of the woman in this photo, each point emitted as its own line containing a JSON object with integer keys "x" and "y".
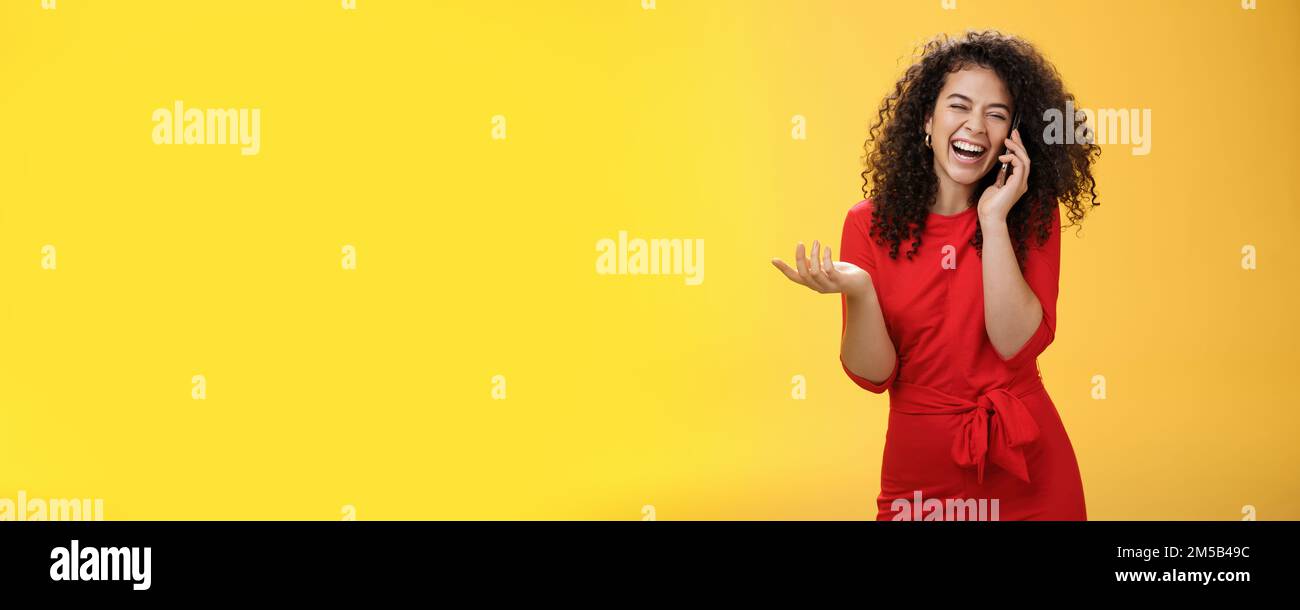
{"x": 953, "y": 329}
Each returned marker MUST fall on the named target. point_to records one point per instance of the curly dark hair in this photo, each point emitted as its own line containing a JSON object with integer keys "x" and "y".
{"x": 900, "y": 176}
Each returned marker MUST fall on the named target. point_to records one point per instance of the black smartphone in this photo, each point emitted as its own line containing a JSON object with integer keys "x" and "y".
{"x": 1015, "y": 123}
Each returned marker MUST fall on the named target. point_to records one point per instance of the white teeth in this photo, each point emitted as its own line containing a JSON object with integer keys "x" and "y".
{"x": 968, "y": 147}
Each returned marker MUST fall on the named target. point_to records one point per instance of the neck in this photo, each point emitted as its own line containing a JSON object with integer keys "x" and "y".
{"x": 953, "y": 197}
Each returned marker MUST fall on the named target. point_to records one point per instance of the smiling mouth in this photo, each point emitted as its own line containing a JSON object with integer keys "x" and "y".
{"x": 966, "y": 152}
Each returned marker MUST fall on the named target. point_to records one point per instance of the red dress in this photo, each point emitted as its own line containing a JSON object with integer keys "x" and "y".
{"x": 968, "y": 429}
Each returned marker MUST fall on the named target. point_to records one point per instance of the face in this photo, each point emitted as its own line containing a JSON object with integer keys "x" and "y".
{"x": 970, "y": 120}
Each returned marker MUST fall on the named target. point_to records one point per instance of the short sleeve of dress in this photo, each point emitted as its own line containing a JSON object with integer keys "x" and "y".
{"x": 855, "y": 247}
{"x": 1042, "y": 273}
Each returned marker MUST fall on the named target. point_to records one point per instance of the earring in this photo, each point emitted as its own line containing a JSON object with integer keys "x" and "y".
{"x": 927, "y": 141}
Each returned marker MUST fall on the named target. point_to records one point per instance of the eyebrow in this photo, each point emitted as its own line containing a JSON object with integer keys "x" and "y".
{"x": 993, "y": 105}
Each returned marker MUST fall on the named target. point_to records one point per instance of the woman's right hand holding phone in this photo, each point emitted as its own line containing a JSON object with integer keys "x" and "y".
{"x": 824, "y": 274}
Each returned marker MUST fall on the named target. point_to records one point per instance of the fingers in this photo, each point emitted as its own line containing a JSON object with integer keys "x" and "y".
{"x": 1017, "y": 147}
{"x": 1013, "y": 145}
{"x": 1015, "y": 159}
{"x": 1018, "y": 178}
{"x": 814, "y": 272}
{"x": 1018, "y": 158}
{"x": 815, "y": 275}
{"x": 799, "y": 274}
{"x": 790, "y": 273}
{"x": 1013, "y": 138}
{"x": 828, "y": 267}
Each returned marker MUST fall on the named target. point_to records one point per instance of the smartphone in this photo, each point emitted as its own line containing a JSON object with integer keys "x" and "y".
{"x": 1002, "y": 174}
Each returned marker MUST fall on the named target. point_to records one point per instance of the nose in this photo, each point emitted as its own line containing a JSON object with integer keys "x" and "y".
{"x": 975, "y": 126}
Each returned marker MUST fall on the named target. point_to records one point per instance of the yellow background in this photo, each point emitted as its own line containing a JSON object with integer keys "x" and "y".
{"x": 476, "y": 257}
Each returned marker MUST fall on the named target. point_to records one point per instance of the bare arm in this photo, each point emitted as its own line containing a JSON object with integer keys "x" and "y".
{"x": 866, "y": 350}
{"x": 1012, "y": 311}
{"x": 865, "y": 346}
